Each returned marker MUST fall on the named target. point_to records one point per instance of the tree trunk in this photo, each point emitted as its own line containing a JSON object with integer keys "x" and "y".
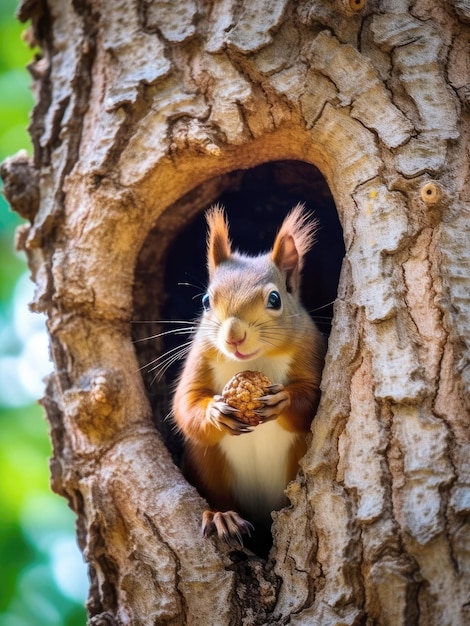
{"x": 148, "y": 111}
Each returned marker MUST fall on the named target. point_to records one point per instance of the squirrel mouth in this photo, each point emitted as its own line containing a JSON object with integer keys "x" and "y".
{"x": 244, "y": 357}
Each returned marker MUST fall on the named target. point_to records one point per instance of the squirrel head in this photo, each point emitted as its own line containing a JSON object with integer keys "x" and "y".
{"x": 246, "y": 293}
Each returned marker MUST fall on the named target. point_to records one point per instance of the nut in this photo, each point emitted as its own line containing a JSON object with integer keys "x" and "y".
{"x": 241, "y": 393}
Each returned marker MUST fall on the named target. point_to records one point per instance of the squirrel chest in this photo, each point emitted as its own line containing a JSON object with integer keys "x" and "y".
{"x": 258, "y": 460}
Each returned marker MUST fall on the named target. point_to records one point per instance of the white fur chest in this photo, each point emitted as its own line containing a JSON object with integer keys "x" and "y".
{"x": 259, "y": 462}
{"x": 259, "y": 459}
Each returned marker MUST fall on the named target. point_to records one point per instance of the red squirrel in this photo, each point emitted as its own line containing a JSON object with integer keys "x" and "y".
{"x": 253, "y": 320}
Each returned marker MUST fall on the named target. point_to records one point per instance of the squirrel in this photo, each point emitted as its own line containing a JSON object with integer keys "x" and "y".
{"x": 252, "y": 319}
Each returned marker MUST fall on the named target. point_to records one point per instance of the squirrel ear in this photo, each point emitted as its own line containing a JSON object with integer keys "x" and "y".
{"x": 286, "y": 258}
{"x": 218, "y": 242}
{"x": 294, "y": 239}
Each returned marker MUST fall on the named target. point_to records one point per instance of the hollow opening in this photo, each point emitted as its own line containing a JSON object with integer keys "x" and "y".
{"x": 171, "y": 274}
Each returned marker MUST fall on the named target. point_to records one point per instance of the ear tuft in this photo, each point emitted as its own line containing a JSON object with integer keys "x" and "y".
{"x": 294, "y": 239}
{"x": 218, "y": 242}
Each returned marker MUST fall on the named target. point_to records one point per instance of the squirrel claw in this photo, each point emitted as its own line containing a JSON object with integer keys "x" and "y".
{"x": 235, "y": 427}
{"x": 273, "y": 403}
{"x": 275, "y": 388}
{"x": 223, "y": 416}
{"x": 228, "y": 525}
{"x": 223, "y": 407}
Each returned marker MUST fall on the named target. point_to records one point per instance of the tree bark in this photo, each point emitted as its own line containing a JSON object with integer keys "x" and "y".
{"x": 144, "y": 111}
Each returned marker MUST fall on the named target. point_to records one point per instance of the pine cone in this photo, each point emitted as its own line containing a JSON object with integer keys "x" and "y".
{"x": 241, "y": 392}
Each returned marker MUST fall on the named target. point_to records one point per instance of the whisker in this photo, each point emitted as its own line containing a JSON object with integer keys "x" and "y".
{"x": 162, "y": 367}
{"x": 209, "y": 326}
{"x": 166, "y": 365}
{"x": 176, "y": 331}
{"x": 173, "y": 354}
{"x": 168, "y": 353}
{"x": 276, "y": 339}
{"x": 160, "y": 322}
{"x": 190, "y": 285}
{"x": 200, "y": 284}
{"x": 174, "y": 358}
{"x": 259, "y": 322}
{"x": 168, "y": 416}
{"x": 269, "y": 343}
{"x": 323, "y": 306}
{"x": 272, "y": 331}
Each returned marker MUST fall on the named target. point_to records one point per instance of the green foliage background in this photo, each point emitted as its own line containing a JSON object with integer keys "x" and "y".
{"x": 43, "y": 581}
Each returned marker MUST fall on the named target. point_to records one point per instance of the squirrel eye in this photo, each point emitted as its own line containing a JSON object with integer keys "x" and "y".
{"x": 206, "y": 303}
{"x": 274, "y": 301}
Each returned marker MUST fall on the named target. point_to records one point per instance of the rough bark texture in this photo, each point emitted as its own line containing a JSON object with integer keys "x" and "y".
{"x": 143, "y": 110}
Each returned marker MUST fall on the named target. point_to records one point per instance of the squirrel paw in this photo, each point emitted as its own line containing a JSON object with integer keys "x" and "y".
{"x": 222, "y": 415}
{"x": 274, "y": 403}
{"x": 228, "y": 525}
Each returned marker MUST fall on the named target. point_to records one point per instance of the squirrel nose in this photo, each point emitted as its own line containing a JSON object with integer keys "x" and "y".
{"x": 234, "y": 332}
{"x": 233, "y": 341}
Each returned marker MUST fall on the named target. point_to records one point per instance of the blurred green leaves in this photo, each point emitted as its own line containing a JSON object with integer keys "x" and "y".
{"x": 16, "y": 102}
{"x": 42, "y": 577}
{"x": 16, "y": 99}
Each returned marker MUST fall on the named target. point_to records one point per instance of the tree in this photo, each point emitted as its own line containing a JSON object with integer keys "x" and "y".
{"x": 146, "y": 113}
